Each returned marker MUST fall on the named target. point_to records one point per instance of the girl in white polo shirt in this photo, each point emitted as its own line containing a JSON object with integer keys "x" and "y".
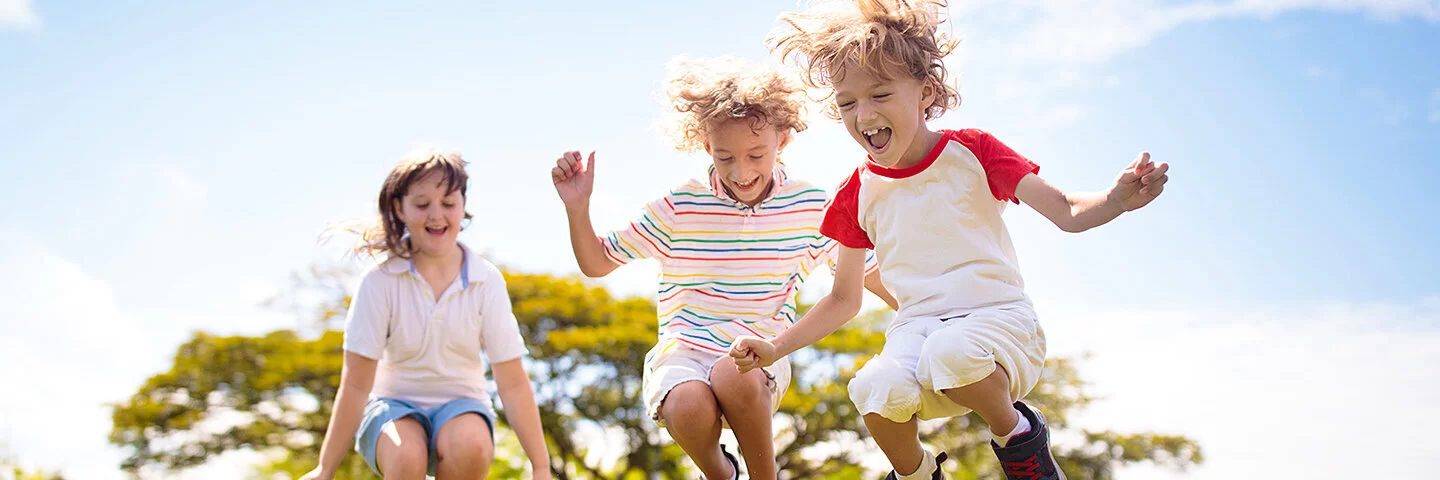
{"x": 417, "y": 330}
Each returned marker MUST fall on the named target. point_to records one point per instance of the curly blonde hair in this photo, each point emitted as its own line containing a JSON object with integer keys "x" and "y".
{"x": 888, "y": 38}
{"x": 705, "y": 93}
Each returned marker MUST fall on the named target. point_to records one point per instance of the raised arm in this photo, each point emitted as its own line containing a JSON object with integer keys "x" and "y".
{"x": 574, "y": 180}
{"x": 1136, "y": 186}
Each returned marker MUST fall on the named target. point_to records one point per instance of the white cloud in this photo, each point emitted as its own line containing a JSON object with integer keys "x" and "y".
{"x": 1256, "y": 384}
{"x": 68, "y": 349}
{"x": 17, "y": 13}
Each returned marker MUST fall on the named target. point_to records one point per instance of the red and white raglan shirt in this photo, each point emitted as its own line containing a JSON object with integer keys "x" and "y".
{"x": 935, "y": 226}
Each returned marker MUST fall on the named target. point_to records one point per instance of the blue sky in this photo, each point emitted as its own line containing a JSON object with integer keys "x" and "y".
{"x": 169, "y": 165}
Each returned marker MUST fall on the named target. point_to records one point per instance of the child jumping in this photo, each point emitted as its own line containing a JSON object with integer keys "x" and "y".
{"x": 419, "y": 329}
{"x": 733, "y": 250}
{"x": 965, "y": 337}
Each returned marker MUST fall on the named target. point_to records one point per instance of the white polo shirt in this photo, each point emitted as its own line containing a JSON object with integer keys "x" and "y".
{"x": 430, "y": 351}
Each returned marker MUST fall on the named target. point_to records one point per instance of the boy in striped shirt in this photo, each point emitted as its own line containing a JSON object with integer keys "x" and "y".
{"x": 733, "y": 249}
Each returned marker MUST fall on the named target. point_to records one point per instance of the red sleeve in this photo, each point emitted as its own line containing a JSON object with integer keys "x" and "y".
{"x": 842, "y": 220}
{"x": 1003, "y": 167}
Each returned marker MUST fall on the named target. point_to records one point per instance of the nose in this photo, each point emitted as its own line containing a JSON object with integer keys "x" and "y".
{"x": 864, "y": 112}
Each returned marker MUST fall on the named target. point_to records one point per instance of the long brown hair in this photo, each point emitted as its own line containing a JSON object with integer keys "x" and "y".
{"x": 386, "y": 234}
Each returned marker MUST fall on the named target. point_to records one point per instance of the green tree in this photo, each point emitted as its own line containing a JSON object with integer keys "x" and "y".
{"x": 274, "y": 392}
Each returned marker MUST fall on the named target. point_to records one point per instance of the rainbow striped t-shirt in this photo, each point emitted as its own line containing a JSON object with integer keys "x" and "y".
{"x": 727, "y": 269}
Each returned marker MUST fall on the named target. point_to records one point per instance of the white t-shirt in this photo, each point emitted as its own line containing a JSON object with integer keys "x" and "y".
{"x": 430, "y": 352}
{"x": 936, "y": 226}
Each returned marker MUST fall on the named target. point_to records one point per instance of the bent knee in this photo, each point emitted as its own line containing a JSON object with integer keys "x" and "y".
{"x": 689, "y": 402}
{"x": 465, "y": 438}
{"x": 883, "y": 384}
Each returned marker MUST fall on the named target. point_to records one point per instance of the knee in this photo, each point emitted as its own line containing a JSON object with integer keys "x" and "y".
{"x": 881, "y": 382}
{"x": 408, "y": 461}
{"x": 690, "y": 403}
{"x": 402, "y": 452}
{"x": 734, "y": 388}
{"x": 464, "y": 441}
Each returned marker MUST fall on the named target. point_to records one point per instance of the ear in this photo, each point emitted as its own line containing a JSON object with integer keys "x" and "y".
{"x": 785, "y": 136}
{"x": 928, "y": 93}
{"x": 707, "y": 148}
{"x": 395, "y": 209}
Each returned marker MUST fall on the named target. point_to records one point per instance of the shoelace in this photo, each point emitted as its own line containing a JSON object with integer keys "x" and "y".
{"x": 1027, "y": 469}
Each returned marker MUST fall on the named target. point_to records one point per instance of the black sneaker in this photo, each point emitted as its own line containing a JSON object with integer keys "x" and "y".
{"x": 939, "y": 473}
{"x": 1028, "y": 455}
{"x": 734, "y": 463}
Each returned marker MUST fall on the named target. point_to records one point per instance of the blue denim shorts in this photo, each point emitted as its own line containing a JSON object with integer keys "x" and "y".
{"x": 380, "y": 411}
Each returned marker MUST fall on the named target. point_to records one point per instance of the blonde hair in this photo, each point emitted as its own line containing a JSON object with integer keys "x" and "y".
{"x": 886, "y": 37}
{"x": 385, "y": 234}
{"x": 705, "y": 93}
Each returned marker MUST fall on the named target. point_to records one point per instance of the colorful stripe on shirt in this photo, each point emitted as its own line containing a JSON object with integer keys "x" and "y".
{"x": 728, "y": 269}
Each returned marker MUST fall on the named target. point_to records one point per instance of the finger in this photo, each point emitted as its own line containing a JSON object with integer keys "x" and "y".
{"x": 1154, "y": 190}
{"x": 571, "y": 161}
{"x": 1155, "y": 187}
{"x": 1136, "y": 162}
{"x": 590, "y": 164}
{"x": 1158, "y": 173}
{"x": 739, "y": 351}
{"x": 557, "y": 174}
{"x": 563, "y": 163}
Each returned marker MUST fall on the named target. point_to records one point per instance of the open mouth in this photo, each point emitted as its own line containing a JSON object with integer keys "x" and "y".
{"x": 746, "y": 186}
{"x": 877, "y": 138}
{"x": 436, "y": 231}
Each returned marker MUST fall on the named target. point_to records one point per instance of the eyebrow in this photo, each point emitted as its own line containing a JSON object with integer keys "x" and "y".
{"x": 759, "y": 147}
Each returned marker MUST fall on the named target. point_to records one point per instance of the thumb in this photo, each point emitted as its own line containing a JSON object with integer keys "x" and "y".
{"x": 1131, "y": 172}
{"x": 741, "y": 348}
{"x": 590, "y": 164}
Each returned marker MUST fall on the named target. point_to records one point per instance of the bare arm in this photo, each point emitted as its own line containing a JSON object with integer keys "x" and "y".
{"x": 575, "y": 180}
{"x": 589, "y": 252}
{"x": 1136, "y": 186}
{"x": 877, "y": 287}
{"x": 519, "y": 399}
{"x": 827, "y": 316}
{"x": 357, "y": 376}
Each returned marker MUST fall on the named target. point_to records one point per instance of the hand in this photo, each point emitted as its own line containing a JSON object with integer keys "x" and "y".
{"x": 574, "y": 178}
{"x": 751, "y": 353}
{"x": 1139, "y": 183}
{"x": 317, "y": 474}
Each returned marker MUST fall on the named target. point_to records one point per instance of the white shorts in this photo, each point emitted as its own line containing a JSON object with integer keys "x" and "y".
{"x": 673, "y": 363}
{"x": 926, "y": 355}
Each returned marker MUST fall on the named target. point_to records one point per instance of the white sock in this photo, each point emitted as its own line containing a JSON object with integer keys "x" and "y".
{"x": 926, "y": 470}
{"x": 1020, "y": 427}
